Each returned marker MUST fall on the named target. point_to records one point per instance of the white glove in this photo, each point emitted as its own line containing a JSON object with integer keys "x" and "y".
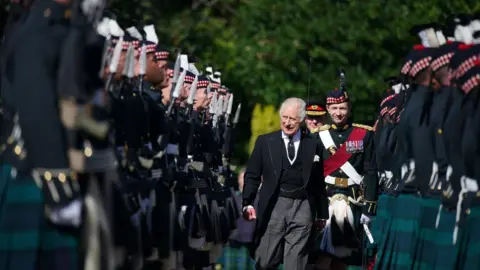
{"x": 364, "y": 219}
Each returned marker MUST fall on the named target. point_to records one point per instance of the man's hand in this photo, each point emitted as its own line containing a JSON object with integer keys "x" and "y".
{"x": 320, "y": 224}
{"x": 249, "y": 213}
{"x": 364, "y": 219}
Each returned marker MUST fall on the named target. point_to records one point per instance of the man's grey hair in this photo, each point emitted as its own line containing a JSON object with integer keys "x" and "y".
{"x": 294, "y": 102}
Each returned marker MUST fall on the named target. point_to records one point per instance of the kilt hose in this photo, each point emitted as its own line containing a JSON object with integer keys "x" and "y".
{"x": 27, "y": 241}
{"x": 382, "y": 230}
{"x": 469, "y": 241}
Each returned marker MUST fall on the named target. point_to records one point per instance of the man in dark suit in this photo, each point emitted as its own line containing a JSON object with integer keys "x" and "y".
{"x": 292, "y": 197}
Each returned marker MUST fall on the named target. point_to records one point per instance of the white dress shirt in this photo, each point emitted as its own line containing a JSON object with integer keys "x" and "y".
{"x": 296, "y": 144}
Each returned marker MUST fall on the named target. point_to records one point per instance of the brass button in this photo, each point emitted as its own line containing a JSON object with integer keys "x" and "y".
{"x": 468, "y": 211}
{"x": 47, "y": 13}
{"x": 439, "y": 131}
{"x": 62, "y": 177}
{"x": 88, "y": 151}
{"x": 17, "y": 150}
{"x": 47, "y": 175}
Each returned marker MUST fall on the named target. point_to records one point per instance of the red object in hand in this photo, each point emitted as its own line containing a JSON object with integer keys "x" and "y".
{"x": 250, "y": 214}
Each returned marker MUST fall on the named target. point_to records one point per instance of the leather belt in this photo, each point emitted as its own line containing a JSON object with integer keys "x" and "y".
{"x": 339, "y": 182}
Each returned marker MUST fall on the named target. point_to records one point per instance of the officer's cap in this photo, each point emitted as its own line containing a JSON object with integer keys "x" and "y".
{"x": 471, "y": 79}
{"x": 189, "y": 76}
{"x": 337, "y": 96}
{"x": 150, "y": 46}
{"x": 419, "y": 58}
{"x": 444, "y": 54}
{"x": 315, "y": 108}
{"x": 214, "y": 85}
{"x": 465, "y": 61}
{"x": 129, "y": 40}
{"x": 161, "y": 53}
{"x": 203, "y": 82}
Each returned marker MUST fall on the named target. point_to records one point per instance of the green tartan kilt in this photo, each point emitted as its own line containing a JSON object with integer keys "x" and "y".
{"x": 404, "y": 232}
{"x": 379, "y": 223}
{"x": 27, "y": 241}
{"x": 382, "y": 230}
{"x": 469, "y": 242}
{"x": 236, "y": 258}
{"x": 446, "y": 252}
{"x": 426, "y": 249}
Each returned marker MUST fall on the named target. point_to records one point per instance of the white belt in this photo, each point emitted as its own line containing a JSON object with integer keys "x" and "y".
{"x": 172, "y": 149}
{"x": 331, "y": 180}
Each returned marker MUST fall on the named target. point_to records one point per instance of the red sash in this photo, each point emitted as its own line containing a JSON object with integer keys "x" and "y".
{"x": 336, "y": 161}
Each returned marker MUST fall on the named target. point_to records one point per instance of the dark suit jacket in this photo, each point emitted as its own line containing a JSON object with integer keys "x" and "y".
{"x": 266, "y": 161}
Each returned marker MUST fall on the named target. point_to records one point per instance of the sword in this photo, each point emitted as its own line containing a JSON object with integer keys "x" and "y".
{"x": 368, "y": 233}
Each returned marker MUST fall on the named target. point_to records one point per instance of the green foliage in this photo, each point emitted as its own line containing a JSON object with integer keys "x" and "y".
{"x": 263, "y": 47}
{"x": 265, "y": 119}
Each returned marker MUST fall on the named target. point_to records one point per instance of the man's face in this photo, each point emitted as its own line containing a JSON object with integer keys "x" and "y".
{"x": 162, "y": 64}
{"x": 155, "y": 75}
{"x": 339, "y": 112}
{"x": 314, "y": 122}
{"x": 200, "y": 97}
{"x": 290, "y": 119}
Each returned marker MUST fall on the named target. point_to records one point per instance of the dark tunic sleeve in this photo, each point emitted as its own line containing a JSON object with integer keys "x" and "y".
{"x": 253, "y": 174}
{"x": 370, "y": 179}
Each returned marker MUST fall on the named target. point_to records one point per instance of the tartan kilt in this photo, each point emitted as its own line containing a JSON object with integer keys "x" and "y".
{"x": 383, "y": 234}
{"x": 446, "y": 251}
{"x": 404, "y": 232}
{"x": 379, "y": 223}
{"x": 426, "y": 247}
{"x": 236, "y": 258}
{"x": 27, "y": 241}
{"x": 469, "y": 242}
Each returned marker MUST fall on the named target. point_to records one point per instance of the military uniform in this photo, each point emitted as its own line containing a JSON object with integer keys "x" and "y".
{"x": 352, "y": 184}
{"x": 315, "y": 112}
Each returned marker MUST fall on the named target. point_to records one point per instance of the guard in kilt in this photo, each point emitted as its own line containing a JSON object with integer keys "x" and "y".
{"x": 467, "y": 80}
{"x": 352, "y": 184}
{"x": 384, "y": 152}
{"x": 39, "y": 184}
{"x": 433, "y": 249}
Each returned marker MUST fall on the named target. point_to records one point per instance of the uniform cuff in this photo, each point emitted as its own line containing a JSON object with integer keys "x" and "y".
{"x": 370, "y": 208}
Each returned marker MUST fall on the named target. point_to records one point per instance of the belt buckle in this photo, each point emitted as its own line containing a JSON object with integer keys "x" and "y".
{"x": 341, "y": 182}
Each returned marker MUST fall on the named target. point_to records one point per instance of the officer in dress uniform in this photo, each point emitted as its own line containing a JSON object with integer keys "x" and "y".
{"x": 315, "y": 118}
{"x": 352, "y": 182}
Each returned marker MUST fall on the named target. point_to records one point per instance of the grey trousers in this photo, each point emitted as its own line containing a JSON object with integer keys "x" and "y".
{"x": 286, "y": 237}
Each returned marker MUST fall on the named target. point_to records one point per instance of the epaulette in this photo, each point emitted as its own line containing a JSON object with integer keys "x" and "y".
{"x": 369, "y": 128}
{"x": 325, "y": 127}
